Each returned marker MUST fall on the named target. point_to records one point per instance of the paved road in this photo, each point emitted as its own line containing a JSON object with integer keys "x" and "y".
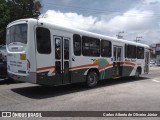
{"x": 114, "y": 95}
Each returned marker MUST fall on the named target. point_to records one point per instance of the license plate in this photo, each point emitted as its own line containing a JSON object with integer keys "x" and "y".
{"x": 22, "y": 56}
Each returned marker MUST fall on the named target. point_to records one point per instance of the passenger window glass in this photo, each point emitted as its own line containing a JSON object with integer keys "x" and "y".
{"x": 131, "y": 51}
{"x": 43, "y": 40}
{"x": 115, "y": 53}
{"x": 119, "y": 54}
{"x": 91, "y": 46}
{"x": 140, "y": 53}
{"x": 105, "y": 48}
{"x": 58, "y": 48}
{"x": 77, "y": 44}
{"x": 66, "y": 49}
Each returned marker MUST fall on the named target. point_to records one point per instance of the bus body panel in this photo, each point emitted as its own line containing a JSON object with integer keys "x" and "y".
{"x": 46, "y": 69}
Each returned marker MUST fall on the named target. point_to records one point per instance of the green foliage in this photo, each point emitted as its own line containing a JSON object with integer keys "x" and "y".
{"x": 4, "y": 19}
{"x": 11, "y": 10}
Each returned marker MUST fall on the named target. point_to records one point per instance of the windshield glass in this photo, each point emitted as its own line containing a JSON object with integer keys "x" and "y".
{"x": 17, "y": 33}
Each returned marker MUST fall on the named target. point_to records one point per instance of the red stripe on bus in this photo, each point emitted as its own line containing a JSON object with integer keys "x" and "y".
{"x": 88, "y": 65}
{"x": 45, "y": 68}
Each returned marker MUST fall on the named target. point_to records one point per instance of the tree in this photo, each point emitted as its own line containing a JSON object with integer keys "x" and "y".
{"x": 4, "y": 19}
{"x": 11, "y": 10}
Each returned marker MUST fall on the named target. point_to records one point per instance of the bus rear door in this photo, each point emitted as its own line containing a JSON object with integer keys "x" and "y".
{"x": 62, "y": 59}
{"x": 147, "y": 59}
{"x": 117, "y": 56}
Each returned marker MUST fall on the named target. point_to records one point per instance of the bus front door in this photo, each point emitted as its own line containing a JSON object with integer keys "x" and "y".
{"x": 62, "y": 58}
{"x": 147, "y": 56}
{"x": 117, "y": 52}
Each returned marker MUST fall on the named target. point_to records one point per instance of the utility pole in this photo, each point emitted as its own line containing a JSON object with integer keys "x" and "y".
{"x": 137, "y": 39}
{"x": 120, "y": 36}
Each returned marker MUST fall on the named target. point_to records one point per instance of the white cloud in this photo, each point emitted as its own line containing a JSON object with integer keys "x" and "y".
{"x": 151, "y": 1}
{"x": 133, "y": 22}
{"x": 70, "y": 19}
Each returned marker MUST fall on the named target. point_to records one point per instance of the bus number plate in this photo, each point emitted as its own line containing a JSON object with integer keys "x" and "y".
{"x": 22, "y": 56}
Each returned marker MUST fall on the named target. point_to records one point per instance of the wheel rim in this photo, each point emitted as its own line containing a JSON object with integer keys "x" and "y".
{"x": 92, "y": 79}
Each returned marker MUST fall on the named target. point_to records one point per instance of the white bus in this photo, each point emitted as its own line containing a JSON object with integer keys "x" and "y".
{"x": 44, "y": 53}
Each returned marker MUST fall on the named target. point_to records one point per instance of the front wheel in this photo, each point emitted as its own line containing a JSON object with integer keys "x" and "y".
{"x": 92, "y": 79}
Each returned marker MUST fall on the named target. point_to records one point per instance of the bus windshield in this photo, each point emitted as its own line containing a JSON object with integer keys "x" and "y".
{"x": 17, "y": 33}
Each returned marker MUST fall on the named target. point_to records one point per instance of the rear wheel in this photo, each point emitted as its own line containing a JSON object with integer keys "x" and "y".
{"x": 92, "y": 79}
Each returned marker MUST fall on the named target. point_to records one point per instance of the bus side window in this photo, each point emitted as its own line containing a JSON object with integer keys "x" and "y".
{"x": 131, "y": 51}
{"x": 105, "y": 48}
{"x": 77, "y": 44}
{"x": 91, "y": 46}
{"x": 140, "y": 52}
{"x": 43, "y": 40}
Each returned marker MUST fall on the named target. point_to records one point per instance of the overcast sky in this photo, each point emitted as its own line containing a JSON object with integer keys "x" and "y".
{"x": 137, "y": 18}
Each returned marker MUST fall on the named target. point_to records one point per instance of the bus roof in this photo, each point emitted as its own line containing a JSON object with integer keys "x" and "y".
{"x": 77, "y": 31}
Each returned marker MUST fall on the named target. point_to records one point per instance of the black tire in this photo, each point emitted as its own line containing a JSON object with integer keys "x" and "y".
{"x": 92, "y": 79}
{"x": 137, "y": 74}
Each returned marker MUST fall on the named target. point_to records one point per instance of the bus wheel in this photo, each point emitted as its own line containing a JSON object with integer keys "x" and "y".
{"x": 137, "y": 74}
{"x": 92, "y": 79}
